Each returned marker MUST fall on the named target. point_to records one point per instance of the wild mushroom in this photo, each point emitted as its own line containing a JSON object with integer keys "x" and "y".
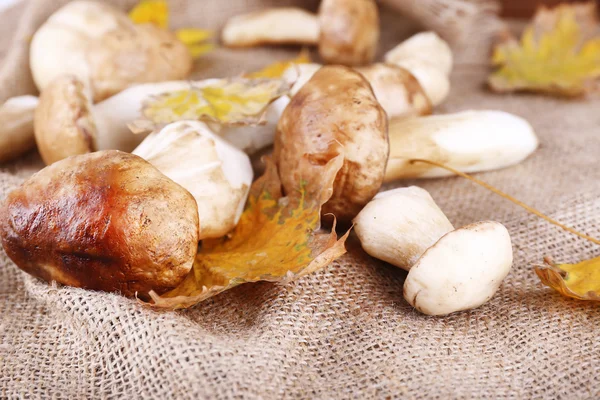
{"x": 335, "y": 108}
{"x": 470, "y": 141}
{"x": 16, "y": 127}
{"x": 346, "y": 31}
{"x": 412, "y": 81}
{"x": 217, "y": 174}
{"x": 463, "y": 270}
{"x": 100, "y": 46}
{"x": 104, "y": 221}
{"x": 66, "y": 123}
{"x": 449, "y": 269}
{"x": 398, "y": 225}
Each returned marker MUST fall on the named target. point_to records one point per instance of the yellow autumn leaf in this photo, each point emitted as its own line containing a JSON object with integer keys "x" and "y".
{"x": 277, "y": 69}
{"x": 157, "y": 12}
{"x": 151, "y": 12}
{"x": 580, "y": 281}
{"x": 195, "y": 40}
{"x": 559, "y": 53}
{"x": 233, "y": 101}
{"x": 277, "y": 239}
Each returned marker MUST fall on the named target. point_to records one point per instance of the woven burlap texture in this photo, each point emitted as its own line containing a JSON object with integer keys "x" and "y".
{"x": 345, "y": 331}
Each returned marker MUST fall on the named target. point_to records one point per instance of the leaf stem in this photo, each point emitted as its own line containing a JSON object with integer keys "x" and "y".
{"x": 508, "y": 197}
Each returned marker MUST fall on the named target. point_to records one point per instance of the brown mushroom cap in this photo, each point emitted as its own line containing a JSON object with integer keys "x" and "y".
{"x": 349, "y": 31}
{"x": 105, "y": 221}
{"x": 63, "y": 123}
{"x": 336, "y": 106}
{"x": 143, "y": 54}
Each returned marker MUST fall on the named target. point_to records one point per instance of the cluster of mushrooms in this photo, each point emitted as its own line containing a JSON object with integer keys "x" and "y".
{"x": 125, "y": 212}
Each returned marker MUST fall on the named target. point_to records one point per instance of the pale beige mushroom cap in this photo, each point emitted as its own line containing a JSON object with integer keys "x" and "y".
{"x": 463, "y": 270}
{"x": 63, "y": 123}
{"x": 399, "y": 225}
{"x": 349, "y": 31}
{"x": 103, "y": 48}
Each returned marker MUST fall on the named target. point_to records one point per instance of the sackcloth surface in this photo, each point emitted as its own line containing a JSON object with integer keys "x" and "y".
{"x": 345, "y": 331}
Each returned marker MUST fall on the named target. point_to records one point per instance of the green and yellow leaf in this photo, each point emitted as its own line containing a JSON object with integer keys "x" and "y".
{"x": 580, "y": 281}
{"x": 559, "y": 53}
{"x": 233, "y": 101}
{"x": 277, "y": 239}
{"x": 277, "y": 69}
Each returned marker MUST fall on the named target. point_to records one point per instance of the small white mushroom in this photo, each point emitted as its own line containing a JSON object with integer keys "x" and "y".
{"x": 16, "y": 127}
{"x": 463, "y": 270}
{"x": 469, "y": 141}
{"x": 449, "y": 270}
{"x": 346, "y": 31}
{"x": 103, "y": 48}
{"x": 217, "y": 174}
{"x": 398, "y": 225}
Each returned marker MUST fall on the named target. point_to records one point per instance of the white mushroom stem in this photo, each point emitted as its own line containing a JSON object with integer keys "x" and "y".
{"x": 346, "y": 31}
{"x": 272, "y": 26}
{"x": 463, "y": 270}
{"x": 398, "y": 225}
{"x": 107, "y": 121}
{"x": 217, "y": 174}
{"x": 16, "y": 127}
{"x": 469, "y": 141}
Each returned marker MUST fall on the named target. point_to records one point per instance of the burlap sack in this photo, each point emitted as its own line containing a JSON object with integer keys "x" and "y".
{"x": 344, "y": 332}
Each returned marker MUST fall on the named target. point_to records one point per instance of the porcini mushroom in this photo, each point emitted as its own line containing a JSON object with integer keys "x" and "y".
{"x": 470, "y": 141}
{"x": 105, "y": 221}
{"x": 463, "y": 270}
{"x": 398, "y": 225}
{"x": 336, "y": 107}
{"x": 449, "y": 269}
{"x": 100, "y": 46}
{"x": 217, "y": 174}
{"x": 16, "y": 126}
{"x": 346, "y": 31}
{"x": 67, "y": 123}
{"x": 409, "y": 83}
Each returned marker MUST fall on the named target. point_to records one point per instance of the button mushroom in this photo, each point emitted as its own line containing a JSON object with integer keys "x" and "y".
{"x": 336, "y": 107}
{"x": 99, "y": 45}
{"x": 217, "y": 174}
{"x": 105, "y": 221}
{"x": 346, "y": 31}
{"x": 449, "y": 269}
